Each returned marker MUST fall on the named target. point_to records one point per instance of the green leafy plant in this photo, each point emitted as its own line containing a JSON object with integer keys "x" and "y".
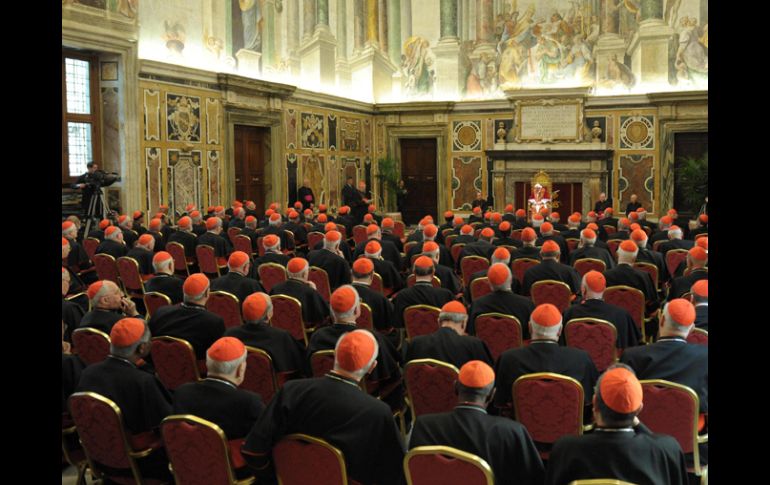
{"x": 692, "y": 180}
{"x": 388, "y": 174}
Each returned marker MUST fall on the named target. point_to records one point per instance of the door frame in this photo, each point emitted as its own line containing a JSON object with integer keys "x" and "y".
{"x": 440, "y": 133}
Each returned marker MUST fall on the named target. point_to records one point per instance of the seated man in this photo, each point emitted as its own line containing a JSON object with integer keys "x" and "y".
{"x": 505, "y": 239}
{"x": 331, "y": 260}
{"x": 113, "y": 243}
{"x": 483, "y": 247}
{"x": 501, "y": 255}
{"x": 430, "y": 233}
{"x": 700, "y": 298}
{"x": 551, "y": 269}
{"x": 126, "y": 227}
{"x": 502, "y": 300}
{"x": 528, "y": 248}
{"x": 334, "y": 408}
{"x": 71, "y": 312}
{"x": 697, "y": 259}
{"x": 625, "y": 274}
{"x": 314, "y": 309}
{"x": 588, "y": 249}
{"x": 391, "y": 278}
{"x": 142, "y": 253}
{"x": 273, "y": 254}
{"x": 213, "y": 237}
{"x": 422, "y": 293}
{"x": 389, "y": 250}
{"x": 620, "y": 446}
{"x": 250, "y": 230}
{"x": 450, "y": 343}
{"x": 449, "y": 279}
{"x": 503, "y": 443}
{"x": 382, "y": 308}
{"x": 236, "y": 281}
{"x": 163, "y": 280}
{"x": 547, "y": 234}
{"x": 108, "y": 306}
{"x": 185, "y": 236}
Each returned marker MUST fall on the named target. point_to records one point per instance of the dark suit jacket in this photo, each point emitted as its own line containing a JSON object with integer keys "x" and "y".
{"x": 335, "y": 266}
{"x": 193, "y": 323}
{"x": 447, "y": 346}
{"x": 551, "y": 270}
{"x": 287, "y": 353}
{"x": 113, "y": 248}
{"x": 237, "y": 284}
{"x": 171, "y": 286}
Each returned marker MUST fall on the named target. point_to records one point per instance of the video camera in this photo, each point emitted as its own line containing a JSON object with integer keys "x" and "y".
{"x": 102, "y": 179}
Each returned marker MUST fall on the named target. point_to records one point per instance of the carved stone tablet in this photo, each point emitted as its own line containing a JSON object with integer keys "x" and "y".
{"x": 549, "y": 120}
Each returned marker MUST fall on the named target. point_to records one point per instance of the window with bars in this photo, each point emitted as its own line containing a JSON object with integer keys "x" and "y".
{"x": 80, "y": 123}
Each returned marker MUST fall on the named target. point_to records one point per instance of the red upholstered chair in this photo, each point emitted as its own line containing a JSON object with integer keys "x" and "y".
{"x": 365, "y": 320}
{"x": 650, "y": 269}
{"x": 105, "y": 440}
{"x": 343, "y": 231}
{"x": 243, "y": 243}
{"x": 698, "y": 336}
{"x": 516, "y": 234}
{"x": 673, "y": 409}
{"x": 584, "y": 265}
{"x": 89, "y": 245}
{"x": 181, "y": 263}
{"x": 597, "y": 337}
{"x": 549, "y": 406}
{"x": 479, "y": 288}
{"x": 260, "y": 246}
{"x": 500, "y": 332}
{"x": 703, "y": 234}
{"x": 377, "y": 284}
{"x": 322, "y": 362}
{"x": 449, "y": 239}
{"x": 287, "y": 314}
{"x": 399, "y": 229}
{"x": 199, "y": 452}
{"x": 631, "y": 299}
{"x": 271, "y": 274}
{"x": 430, "y": 386}
{"x": 106, "y": 267}
{"x": 207, "y": 261}
{"x": 320, "y": 277}
{"x": 174, "y": 361}
{"x": 412, "y": 279}
{"x": 572, "y": 243}
{"x": 91, "y": 345}
{"x": 82, "y": 300}
{"x": 300, "y": 459}
{"x": 154, "y": 300}
{"x": 314, "y": 238}
{"x": 520, "y": 266}
{"x": 656, "y": 245}
{"x": 613, "y": 244}
{"x": 673, "y": 258}
{"x": 455, "y": 250}
{"x": 72, "y": 449}
{"x": 227, "y": 306}
{"x": 610, "y": 229}
{"x": 260, "y": 374}
{"x": 470, "y": 265}
{"x": 291, "y": 242}
{"x": 444, "y": 465}
{"x": 359, "y": 234}
{"x": 687, "y": 271}
{"x": 420, "y": 320}
{"x": 554, "y": 292}
{"x": 232, "y": 232}
{"x": 408, "y": 246}
{"x": 132, "y": 279}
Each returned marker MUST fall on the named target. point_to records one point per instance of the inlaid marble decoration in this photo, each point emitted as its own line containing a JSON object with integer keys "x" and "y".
{"x": 213, "y": 121}
{"x": 111, "y": 129}
{"x": 381, "y": 147}
{"x": 291, "y": 129}
{"x": 489, "y": 133}
{"x": 637, "y": 132}
{"x": 330, "y": 198}
{"x": 183, "y": 116}
{"x": 213, "y": 174}
{"x": 466, "y": 180}
{"x": 367, "y": 135}
{"x": 332, "y": 120}
{"x": 350, "y": 133}
{"x": 312, "y": 168}
{"x": 636, "y": 176}
{"x": 184, "y": 178}
{"x": 466, "y": 136}
{"x": 312, "y": 130}
{"x": 151, "y": 114}
{"x": 153, "y": 177}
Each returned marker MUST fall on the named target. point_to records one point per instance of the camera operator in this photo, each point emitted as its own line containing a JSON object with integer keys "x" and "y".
{"x": 88, "y": 183}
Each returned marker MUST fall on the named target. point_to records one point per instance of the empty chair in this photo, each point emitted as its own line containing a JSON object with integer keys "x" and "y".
{"x": 500, "y": 332}
{"x": 91, "y": 345}
{"x": 227, "y": 306}
{"x": 420, "y": 320}
{"x": 174, "y": 361}
{"x": 596, "y": 336}
{"x": 430, "y": 386}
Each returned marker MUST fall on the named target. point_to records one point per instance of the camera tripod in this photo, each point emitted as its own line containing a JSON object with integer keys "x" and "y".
{"x": 98, "y": 201}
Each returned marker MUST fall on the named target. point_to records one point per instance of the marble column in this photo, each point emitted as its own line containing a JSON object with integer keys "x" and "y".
{"x": 609, "y": 16}
{"x": 342, "y": 65}
{"x": 449, "y": 79}
{"x": 359, "y": 24}
{"x": 394, "y": 31}
{"x": 322, "y": 12}
{"x": 371, "y": 68}
{"x": 485, "y": 28}
{"x": 383, "y": 25}
{"x": 448, "y": 15}
{"x": 651, "y": 44}
{"x": 292, "y": 24}
{"x": 609, "y": 44}
{"x": 465, "y": 20}
{"x": 268, "y": 35}
{"x": 318, "y": 51}
{"x": 406, "y": 20}
{"x": 308, "y": 18}
{"x": 652, "y": 9}
{"x": 373, "y": 22}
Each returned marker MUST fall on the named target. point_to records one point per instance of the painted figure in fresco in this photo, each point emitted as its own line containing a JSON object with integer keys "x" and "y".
{"x": 692, "y": 55}
{"x": 618, "y": 74}
{"x": 418, "y": 66}
{"x": 251, "y": 18}
{"x": 579, "y": 60}
{"x": 513, "y": 64}
{"x": 547, "y": 58}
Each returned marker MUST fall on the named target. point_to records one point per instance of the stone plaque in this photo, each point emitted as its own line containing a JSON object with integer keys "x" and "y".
{"x": 549, "y": 120}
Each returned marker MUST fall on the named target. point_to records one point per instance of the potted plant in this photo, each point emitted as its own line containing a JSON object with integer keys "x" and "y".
{"x": 691, "y": 182}
{"x": 388, "y": 175}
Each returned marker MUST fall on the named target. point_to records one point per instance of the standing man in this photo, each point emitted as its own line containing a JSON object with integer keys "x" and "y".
{"x": 360, "y": 202}
{"x": 305, "y": 195}
{"x": 85, "y": 183}
{"x": 632, "y": 206}
{"x": 602, "y": 203}
{"x": 348, "y": 191}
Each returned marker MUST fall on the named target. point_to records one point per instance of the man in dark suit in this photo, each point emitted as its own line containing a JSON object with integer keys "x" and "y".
{"x": 430, "y": 233}
{"x": 588, "y": 249}
{"x": 142, "y": 253}
{"x": 620, "y": 446}
{"x": 237, "y": 281}
{"x": 198, "y": 226}
{"x": 465, "y": 237}
{"x": 190, "y": 320}
{"x": 521, "y": 219}
{"x": 154, "y": 229}
{"x": 502, "y": 300}
{"x": 387, "y": 234}
{"x": 603, "y": 203}
{"x": 331, "y": 260}
{"x": 697, "y": 258}
{"x": 250, "y": 230}
{"x": 624, "y": 229}
{"x": 528, "y": 248}
{"x": 625, "y": 274}
{"x": 381, "y": 307}
{"x": 450, "y": 343}
{"x": 113, "y": 243}
{"x": 551, "y": 269}
{"x": 547, "y": 234}
{"x": 504, "y": 230}
{"x": 185, "y": 236}
{"x": 501, "y": 442}
{"x": 508, "y": 214}
{"x": 480, "y": 202}
{"x": 163, "y": 280}
{"x": 477, "y": 212}
{"x": 422, "y": 293}
{"x": 360, "y": 202}
{"x": 632, "y": 205}
{"x": 391, "y": 278}
{"x": 299, "y": 231}
{"x": 98, "y": 232}
{"x": 348, "y": 192}
{"x": 664, "y": 223}
{"x": 501, "y": 255}
{"x": 314, "y": 309}
{"x": 213, "y": 237}
{"x": 126, "y": 226}
{"x": 273, "y": 253}
{"x": 647, "y": 255}
{"x": 555, "y": 219}
{"x": 108, "y": 306}
{"x": 483, "y": 247}
{"x": 275, "y": 226}
{"x": 700, "y": 298}
{"x": 449, "y": 279}
{"x": 675, "y": 241}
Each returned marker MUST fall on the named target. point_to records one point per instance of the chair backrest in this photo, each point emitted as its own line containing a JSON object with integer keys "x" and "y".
{"x": 631, "y": 299}
{"x": 516, "y": 234}
{"x": 411, "y": 280}
{"x": 399, "y": 229}
{"x": 365, "y": 320}
{"x": 600, "y": 481}
{"x": 232, "y": 232}
{"x": 290, "y": 241}
{"x": 102, "y": 433}
{"x": 409, "y": 245}
{"x": 610, "y": 229}
{"x": 672, "y": 409}
{"x": 359, "y": 234}
{"x": 500, "y": 332}
{"x": 521, "y": 265}
{"x": 128, "y": 269}
{"x": 91, "y": 345}
{"x": 207, "y": 260}
{"x": 174, "y": 361}
{"x": 90, "y": 244}
{"x": 430, "y": 386}
{"x": 198, "y": 451}
{"x": 698, "y": 236}
{"x": 449, "y": 239}
{"x": 271, "y": 274}
{"x": 477, "y": 231}
{"x": 420, "y": 320}
{"x": 176, "y": 250}
{"x": 241, "y": 242}
{"x": 548, "y": 405}
{"x": 301, "y": 459}
{"x": 698, "y": 336}
{"x": 584, "y": 265}
{"x": 313, "y": 238}
{"x": 470, "y": 265}
{"x": 455, "y": 250}
{"x": 343, "y": 231}
{"x": 227, "y": 306}
{"x": 106, "y": 267}
{"x": 320, "y": 277}
{"x": 687, "y": 271}
{"x": 596, "y": 336}
{"x": 650, "y": 269}
{"x": 445, "y": 465}
{"x": 260, "y": 374}
{"x": 261, "y": 247}
{"x": 287, "y": 314}
{"x": 554, "y": 292}
{"x": 377, "y": 284}
{"x": 479, "y": 288}
{"x": 674, "y": 257}
{"x": 572, "y": 243}
{"x": 321, "y": 362}
{"x": 154, "y": 300}
{"x": 613, "y": 245}
{"x": 656, "y": 245}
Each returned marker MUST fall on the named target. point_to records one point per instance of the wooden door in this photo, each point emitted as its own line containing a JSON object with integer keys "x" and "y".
{"x": 418, "y": 169}
{"x": 250, "y": 156}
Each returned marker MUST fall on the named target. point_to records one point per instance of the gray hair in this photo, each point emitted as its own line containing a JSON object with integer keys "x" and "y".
{"x": 348, "y": 314}
{"x": 454, "y": 317}
{"x": 543, "y": 331}
{"x": 360, "y": 373}
{"x": 160, "y": 266}
{"x": 128, "y": 352}
{"x": 224, "y": 368}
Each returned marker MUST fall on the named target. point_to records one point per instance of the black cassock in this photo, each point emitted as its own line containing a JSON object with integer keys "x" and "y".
{"x": 422, "y": 293}
{"x": 113, "y": 248}
{"x": 336, "y": 267}
{"x": 503, "y": 443}
{"x": 683, "y": 284}
{"x": 187, "y": 239}
{"x": 592, "y": 252}
{"x": 629, "y": 334}
{"x": 236, "y": 284}
{"x": 625, "y": 274}
{"x": 143, "y": 259}
{"x": 549, "y": 269}
{"x": 447, "y": 346}
{"x": 171, "y": 286}
{"x": 287, "y": 353}
{"x": 101, "y": 319}
{"x": 505, "y": 302}
{"x": 314, "y": 308}
{"x": 344, "y": 247}
{"x": 389, "y": 251}
{"x": 305, "y": 195}
{"x": 71, "y": 314}
{"x": 391, "y": 278}
{"x": 382, "y": 308}
{"x": 193, "y": 323}
{"x": 221, "y": 245}
{"x": 71, "y": 368}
